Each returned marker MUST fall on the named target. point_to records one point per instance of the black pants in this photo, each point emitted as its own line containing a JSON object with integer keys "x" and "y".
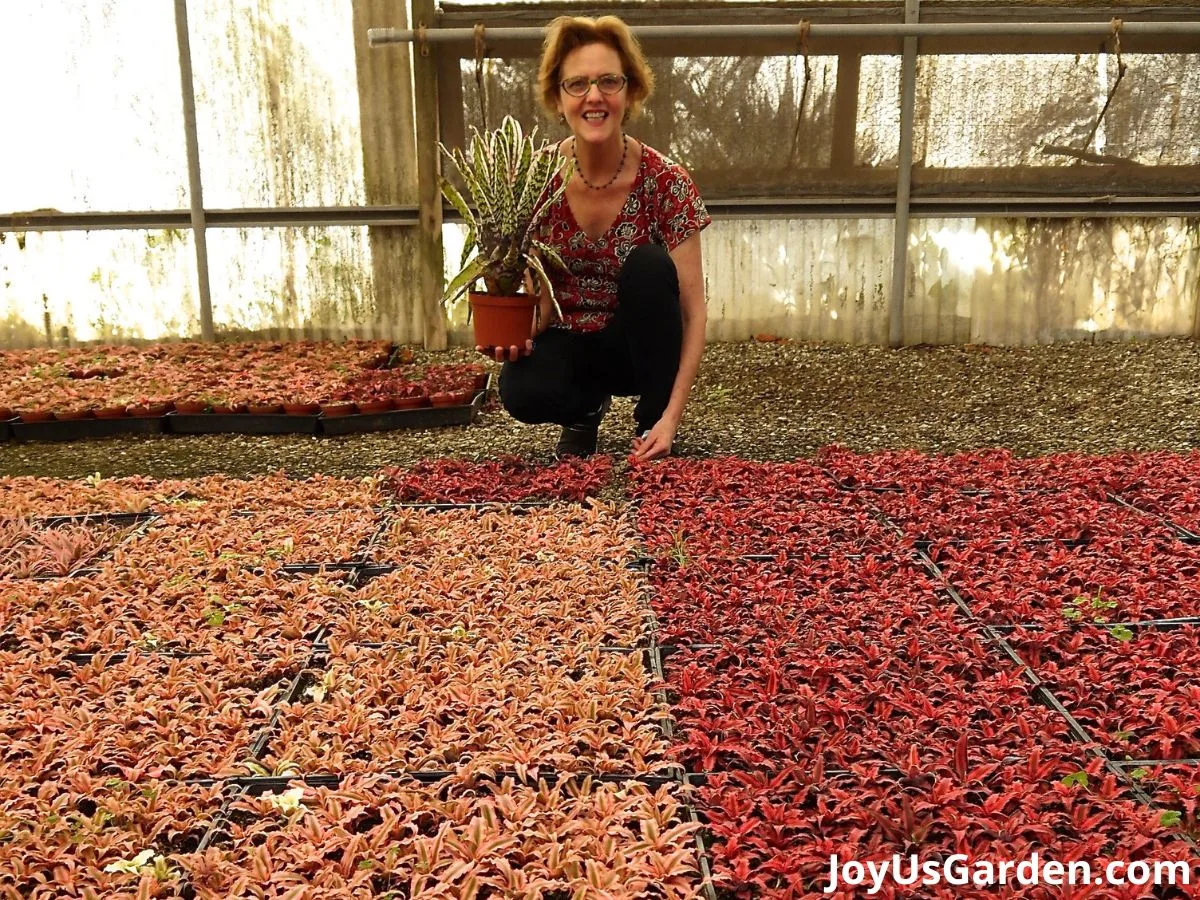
{"x": 637, "y": 354}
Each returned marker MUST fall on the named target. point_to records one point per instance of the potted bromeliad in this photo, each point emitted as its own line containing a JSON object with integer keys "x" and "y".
{"x": 507, "y": 180}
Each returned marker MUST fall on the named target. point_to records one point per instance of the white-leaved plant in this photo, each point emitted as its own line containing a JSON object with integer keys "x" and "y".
{"x": 507, "y": 180}
{"x": 289, "y": 802}
{"x": 146, "y": 861}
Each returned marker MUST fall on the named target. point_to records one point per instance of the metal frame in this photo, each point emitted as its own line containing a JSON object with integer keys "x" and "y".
{"x": 865, "y": 28}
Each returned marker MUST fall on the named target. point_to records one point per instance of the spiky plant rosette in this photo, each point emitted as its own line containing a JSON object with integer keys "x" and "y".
{"x": 508, "y": 181}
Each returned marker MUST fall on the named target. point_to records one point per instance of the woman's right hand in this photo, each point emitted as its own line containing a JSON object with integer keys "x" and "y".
{"x": 506, "y": 354}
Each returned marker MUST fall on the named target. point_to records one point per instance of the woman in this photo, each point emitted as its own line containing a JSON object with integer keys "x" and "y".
{"x": 628, "y": 229}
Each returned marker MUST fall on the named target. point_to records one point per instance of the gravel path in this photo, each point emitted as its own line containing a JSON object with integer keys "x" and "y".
{"x": 760, "y": 401}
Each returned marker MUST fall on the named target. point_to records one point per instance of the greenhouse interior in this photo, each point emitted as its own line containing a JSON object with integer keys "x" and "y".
{"x": 829, "y": 525}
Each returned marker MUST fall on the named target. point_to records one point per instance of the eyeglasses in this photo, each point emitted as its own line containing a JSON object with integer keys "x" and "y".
{"x": 608, "y": 84}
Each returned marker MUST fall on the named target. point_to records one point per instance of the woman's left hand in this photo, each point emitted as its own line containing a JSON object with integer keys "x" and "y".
{"x": 657, "y": 443}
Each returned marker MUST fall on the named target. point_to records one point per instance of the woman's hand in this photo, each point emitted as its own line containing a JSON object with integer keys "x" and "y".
{"x": 506, "y": 354}
{"x": 657, "y": 442}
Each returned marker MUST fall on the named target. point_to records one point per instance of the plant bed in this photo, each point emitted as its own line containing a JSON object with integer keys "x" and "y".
{"x": 712, "y": 600}
{"x": 846, "y": 699}
{"x": 381, "y": 837}
{"x": 1066, "y": 515}
{"x": 473, "y": 705}
{"x": 773, "y": 837}
{"x": 202, "y": 535}
{"x": 1136, "y": 692}
{"x": 143, "y": 717}
{"x": 103, "y": 835}
{"x": 561, "y": 531}
{"x": 25, "y": 497}
{"x": 787, "y": 528}
{"x": 165, "y": 608}
{"x": 568, "y": 601}
{"x": 275, "y": 491}
{"x": 913, "y": 472}
{"x": 730, "y": 479}
{"x": 1167, "y": 485}
{"x": 1103, "y": 583}
{"x": 29, "y": 550}
{"x": 508, "y": 479}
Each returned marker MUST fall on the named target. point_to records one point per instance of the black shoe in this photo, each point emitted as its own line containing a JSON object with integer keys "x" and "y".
{"x": 577, "y": 440}
{"x": 580, "y": 440}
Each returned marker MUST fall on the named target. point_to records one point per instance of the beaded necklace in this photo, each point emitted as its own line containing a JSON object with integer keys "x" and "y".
{"x": 611, "y": 181}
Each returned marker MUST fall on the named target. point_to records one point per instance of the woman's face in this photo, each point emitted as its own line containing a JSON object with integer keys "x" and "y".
{"x": 595, "y": 117}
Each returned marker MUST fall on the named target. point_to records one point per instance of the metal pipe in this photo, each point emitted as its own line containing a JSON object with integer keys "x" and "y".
{"x": 195, "y": 188}
{"x": 941, "y": 207}
{"x": 908, "y": 93}
{"x": 378, "y": 36}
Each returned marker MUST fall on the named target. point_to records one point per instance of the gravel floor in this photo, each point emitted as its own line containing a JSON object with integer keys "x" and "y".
{"x": 760, "y": 401}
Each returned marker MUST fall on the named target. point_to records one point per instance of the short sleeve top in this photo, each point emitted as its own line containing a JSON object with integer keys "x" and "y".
{"x": 663, "y": 207}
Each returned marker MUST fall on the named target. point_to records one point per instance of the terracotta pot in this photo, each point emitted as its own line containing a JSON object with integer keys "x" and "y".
{"x": 6, "y": 414}
{"x": 233, "y": 409}
{"x": 502, "y": 321}
{"x": 370, "y": 407}
{"x": 410, "y": 402}
{"x": 72, "y": 415}
{"x": 266, "y": 409}
{"x": 149, "y": 410}
{"x": 481, "y": 381}
{"x": 35, "y": 415}
{"x": 332, "y": 410}
{"x": 191, "y": 407}
{"x": 451, "y": 398}
{"x": 111, "y": 412}
{"x": 302, "y": 409}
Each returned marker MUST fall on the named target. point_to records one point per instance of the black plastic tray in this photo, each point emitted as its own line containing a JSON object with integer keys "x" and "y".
{"x": 239, "y": 423}
{"x": 78, "y": 429}
{"x": 426, "y": 417}
{"x": 5, "y": 430}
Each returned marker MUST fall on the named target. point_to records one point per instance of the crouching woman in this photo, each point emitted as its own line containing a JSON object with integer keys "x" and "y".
{"x": 628, "y": 229}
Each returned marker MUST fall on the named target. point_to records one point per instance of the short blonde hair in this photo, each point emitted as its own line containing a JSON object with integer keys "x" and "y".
{"x": 568, "y": 33}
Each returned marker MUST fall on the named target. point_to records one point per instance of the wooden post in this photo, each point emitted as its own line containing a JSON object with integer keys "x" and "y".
{"x": 431, "y": 280}
{"x": 845, "y": 112}
{"x": 389, "y": 170}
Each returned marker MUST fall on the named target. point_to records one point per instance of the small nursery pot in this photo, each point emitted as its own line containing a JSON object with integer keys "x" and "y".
{"x": 190, "y": 407}
{"x": 266, "y": 409}
{"x": 112, "y": 412}
{"x": 35, "y": 415}
{"x": 370, "y": 407}
{"x": 502, "y": 321}
{"x": 302, "y": 409}
{"x": 411, "y": 402}
{"x": 451, "y": 398}
{"x": 71, "y": 415}
{"x": 332, "y": 410}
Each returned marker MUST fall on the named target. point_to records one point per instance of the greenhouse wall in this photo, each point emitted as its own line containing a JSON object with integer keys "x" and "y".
{"x": 282, "y": 95}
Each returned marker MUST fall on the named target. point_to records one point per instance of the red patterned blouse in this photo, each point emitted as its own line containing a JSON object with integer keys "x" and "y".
{"x": 663, "y": 206}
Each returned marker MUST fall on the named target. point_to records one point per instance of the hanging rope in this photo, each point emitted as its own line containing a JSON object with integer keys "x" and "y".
{"x": 480, "y": 81}
{"x": 805, "y": 27}
{"x": 1115, "y": 43}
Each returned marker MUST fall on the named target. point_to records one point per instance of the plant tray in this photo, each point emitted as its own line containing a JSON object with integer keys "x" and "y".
{"x": 78, "y": 429}
{"x": 428, "y": 417}
{"x": 5, "y": 430}
{"x": 239, "y": 423}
